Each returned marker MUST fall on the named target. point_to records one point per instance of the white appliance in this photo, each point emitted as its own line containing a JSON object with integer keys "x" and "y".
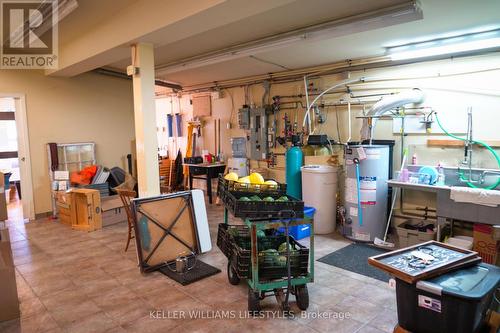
{"x": 238, "y": 165}
{"x": 319, "y": 190}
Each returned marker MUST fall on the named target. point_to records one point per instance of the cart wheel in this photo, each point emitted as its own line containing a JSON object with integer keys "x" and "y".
{"x": 253, "y": 301}
{"x": 232, "y": 276}
{"x": 302, "y": 297}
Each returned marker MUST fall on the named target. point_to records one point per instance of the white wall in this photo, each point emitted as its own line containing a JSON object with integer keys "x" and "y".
{"x": 88, "y": 107}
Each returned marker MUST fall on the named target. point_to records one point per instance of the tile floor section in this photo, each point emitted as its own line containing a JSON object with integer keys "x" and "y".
{"x": 70, "y": 281}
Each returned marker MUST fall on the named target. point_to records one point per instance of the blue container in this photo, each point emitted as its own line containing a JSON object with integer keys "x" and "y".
{"x": 294, "y": 161}
{"x": 303, "y": 230}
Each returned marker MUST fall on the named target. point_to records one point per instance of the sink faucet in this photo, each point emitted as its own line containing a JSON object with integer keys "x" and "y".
{"x": 482, "y": 177}
{"x": 467, "y": 161}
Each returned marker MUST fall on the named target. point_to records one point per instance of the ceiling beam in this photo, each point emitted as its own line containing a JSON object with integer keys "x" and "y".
{"x": 380, "y": 18}
{"x": 158, "y": 22}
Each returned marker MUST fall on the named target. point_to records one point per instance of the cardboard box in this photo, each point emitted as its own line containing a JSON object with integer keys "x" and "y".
{"x": 112, "y": 210}
{"x": 3, "y": 200}
{"x": 9, "y": 301}
{"x": 485, "y": 244}
{"x": 66, "y": 211}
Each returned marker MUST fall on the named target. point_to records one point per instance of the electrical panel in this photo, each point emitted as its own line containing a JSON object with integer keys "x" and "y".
{"x": 258, "y": 134}
{"x": 244, "y": 118}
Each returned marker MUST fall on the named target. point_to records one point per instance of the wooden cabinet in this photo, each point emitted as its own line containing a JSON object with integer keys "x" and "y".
{"x": 87, "y": 205}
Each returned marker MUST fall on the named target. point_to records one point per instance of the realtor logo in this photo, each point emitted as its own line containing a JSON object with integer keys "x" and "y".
{"x": 29, "y": 34}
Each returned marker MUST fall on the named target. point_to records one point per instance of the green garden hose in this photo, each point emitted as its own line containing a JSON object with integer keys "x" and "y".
{"x": 460, "y": 174}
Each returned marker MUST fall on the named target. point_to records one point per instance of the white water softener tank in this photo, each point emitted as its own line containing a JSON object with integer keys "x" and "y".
{"x": 238, "y": 165}
{"x": 319, "y": 190}
{"x": 367, "y": 170}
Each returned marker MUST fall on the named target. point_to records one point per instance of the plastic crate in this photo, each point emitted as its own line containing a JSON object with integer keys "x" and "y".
{"x": 237, "y": 248}
{"x": 232, "y": 186}
{"x": 292, "y": 208}
{"x": 302, "y": 230}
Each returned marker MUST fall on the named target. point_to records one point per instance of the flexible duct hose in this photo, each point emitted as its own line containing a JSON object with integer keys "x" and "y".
{"x": 460, "y": 174}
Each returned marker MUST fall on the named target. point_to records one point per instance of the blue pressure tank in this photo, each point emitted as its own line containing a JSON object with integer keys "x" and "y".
{"x": 294, "y": 161}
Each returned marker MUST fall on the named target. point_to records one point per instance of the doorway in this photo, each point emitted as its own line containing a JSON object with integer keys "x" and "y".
{"x": 14, "y": 158}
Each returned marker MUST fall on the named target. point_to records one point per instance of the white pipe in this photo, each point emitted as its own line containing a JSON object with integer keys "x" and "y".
{"x": 306, "y": 90}
{"x": 341, "y": 83}
{"x": 391, "y": 102}
{"x": 349, "y": 121}
{"x": 394, "y": 101}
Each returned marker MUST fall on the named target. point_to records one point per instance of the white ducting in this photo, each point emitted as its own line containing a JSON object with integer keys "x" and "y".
{"x": 387, "y": 104}
{"x": 394, "y": 101}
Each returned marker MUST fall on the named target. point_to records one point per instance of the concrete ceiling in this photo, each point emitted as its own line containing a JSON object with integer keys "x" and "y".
{"x": 222, "y": 23}
{"x": 294, "y": 15}
{"x": 87, "y": 15}
{"x": 440, "y": 17}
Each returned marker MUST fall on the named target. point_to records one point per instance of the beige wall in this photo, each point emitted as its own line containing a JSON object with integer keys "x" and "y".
{"x": 89, "y": 107}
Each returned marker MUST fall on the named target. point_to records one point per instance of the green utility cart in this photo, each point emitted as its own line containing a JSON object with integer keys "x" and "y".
{"x": 271, "y": 262}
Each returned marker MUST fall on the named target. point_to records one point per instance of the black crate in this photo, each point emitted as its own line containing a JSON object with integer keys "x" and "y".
{"x": 232, "y": 186}
{"x": 259, "y": 209}
{"x": 236, "y": 247}
{"x": 292, "y": 208}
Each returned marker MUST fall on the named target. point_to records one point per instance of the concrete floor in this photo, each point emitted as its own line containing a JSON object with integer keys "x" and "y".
{"x": 70, "y": 281}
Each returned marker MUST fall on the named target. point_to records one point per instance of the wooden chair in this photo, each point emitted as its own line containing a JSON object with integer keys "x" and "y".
{"x": 126, "y": 196}
{"x": 165, "y": 175}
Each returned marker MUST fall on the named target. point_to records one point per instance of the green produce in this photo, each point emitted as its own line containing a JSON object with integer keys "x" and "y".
{"x": 268, "y": 257}
{"x": 283, "y": 246}
{"x": 255, "y": 198}
{"x": 280, "y": 261}
{"x": 233, "y": 232}
{"x": 282, "y": 199}
{"x": 271, "y": 252}
{"x": 244, "y": 199}
{"x": 261, "y": 233}
{"x": 268, "y": 199}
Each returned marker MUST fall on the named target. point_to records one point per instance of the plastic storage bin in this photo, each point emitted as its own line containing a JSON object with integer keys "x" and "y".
{"x": 455, "y": 302}
{"x": 303, "y": 230}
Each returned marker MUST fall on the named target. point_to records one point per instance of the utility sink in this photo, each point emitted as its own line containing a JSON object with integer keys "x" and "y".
{"x": 482, "y": 177}
{"x": 449, "y": 209}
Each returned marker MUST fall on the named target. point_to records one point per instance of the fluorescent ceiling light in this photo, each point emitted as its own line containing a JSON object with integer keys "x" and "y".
{"x": 452, "y": 45}
{"x": 397, "y": 14}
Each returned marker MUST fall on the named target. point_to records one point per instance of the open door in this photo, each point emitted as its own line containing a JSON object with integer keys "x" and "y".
{"x": 14, "y": 151}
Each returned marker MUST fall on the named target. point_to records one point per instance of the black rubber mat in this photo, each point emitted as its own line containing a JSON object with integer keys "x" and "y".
{"x": 200, "y": 271}
{"x": 354, "y": 258}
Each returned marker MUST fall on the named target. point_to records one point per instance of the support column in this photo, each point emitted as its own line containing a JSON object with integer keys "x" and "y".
{"x": 145, "y": 120}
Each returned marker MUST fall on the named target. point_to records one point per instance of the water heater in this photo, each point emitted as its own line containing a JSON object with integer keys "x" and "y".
{"x": 365, "y": 196}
